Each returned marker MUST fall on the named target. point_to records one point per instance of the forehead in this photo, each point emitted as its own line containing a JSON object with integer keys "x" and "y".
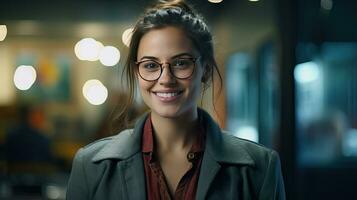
{"x": 164, "y": 43}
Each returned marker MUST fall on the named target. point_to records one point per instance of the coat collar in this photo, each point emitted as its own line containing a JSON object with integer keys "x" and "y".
{"x": 223, "y": 148}
{"x": 123, "y": 145}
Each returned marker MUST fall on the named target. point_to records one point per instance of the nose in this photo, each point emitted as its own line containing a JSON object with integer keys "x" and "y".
{"x": 166, "y": 76}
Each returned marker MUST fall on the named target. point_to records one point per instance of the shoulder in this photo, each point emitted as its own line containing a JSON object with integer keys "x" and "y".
{"x": 119, "y": 147}
{"x": 264, "y": 168}
{"x": 98, "y": 144}
{"x": 260, "y": 155}
{"x": 89, "y": 152}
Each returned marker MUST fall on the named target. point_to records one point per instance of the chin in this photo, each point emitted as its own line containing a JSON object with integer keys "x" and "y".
{"x": 167, "y": 113}
{"x": 176, "y": 112}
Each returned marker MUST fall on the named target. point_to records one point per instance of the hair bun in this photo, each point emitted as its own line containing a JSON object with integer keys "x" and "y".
{"x": 169, "y": 4}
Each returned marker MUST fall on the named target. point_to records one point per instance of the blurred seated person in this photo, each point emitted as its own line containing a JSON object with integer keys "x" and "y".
{"x": 27, "y": 149}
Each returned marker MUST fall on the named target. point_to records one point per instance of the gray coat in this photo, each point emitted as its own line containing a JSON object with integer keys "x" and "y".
{"x": 232, "y": 168}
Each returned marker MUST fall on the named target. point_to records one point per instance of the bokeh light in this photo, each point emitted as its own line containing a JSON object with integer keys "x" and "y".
{"x": 97, "y": 50}
{"x": 3, "y": 32}
{"x": 53, "y": 192}
{"x": 215, "y": 1}
{"x": 24, "y": 77}
{"x": 95, "y": 92}
{"x": 109, "y": 56}
{"x": 326, "y": 4}
{"x": 248, "y": 133}
{"x": 88, "y": 49}
{"x": 126, "y": 37}
{"x": 306, "y": 72}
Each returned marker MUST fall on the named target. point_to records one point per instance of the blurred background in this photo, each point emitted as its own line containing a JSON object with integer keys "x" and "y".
{"x": 289, "y": 69}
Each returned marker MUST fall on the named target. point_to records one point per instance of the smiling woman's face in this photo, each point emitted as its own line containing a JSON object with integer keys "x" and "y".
{"x": 168, "y": 96}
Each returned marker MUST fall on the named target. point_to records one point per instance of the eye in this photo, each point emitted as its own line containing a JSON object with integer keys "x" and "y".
{"x": 150, "y": 65}
{"x": 181, "y": 62}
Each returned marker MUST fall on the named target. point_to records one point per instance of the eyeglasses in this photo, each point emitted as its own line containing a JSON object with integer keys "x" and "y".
{"x": 180, "y": 68}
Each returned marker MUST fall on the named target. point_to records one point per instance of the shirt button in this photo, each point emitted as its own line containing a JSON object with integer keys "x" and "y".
{"x": 190, "y": 156}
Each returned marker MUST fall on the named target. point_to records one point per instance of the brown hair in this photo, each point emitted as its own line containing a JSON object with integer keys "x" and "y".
{"x": 169, "y": 13}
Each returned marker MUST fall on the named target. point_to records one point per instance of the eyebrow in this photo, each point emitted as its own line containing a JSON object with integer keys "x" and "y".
{"x": 173, "y": 57}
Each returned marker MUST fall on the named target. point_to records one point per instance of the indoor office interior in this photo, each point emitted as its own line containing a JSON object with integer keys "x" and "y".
{"x": 289, "y": 70}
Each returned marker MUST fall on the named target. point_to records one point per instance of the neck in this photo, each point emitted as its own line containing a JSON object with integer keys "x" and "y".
{"x": 174, "y": 133}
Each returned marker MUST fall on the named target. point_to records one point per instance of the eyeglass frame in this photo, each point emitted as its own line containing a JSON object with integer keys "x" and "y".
{"x": 162, "y": 69}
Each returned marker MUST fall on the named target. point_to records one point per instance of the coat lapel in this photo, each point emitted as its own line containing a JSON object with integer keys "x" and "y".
{"x": 220, "y": 149}
{"x": 133, "y": 171}
{"x": 126, "y": 148}
{"x": 209, "y": 170}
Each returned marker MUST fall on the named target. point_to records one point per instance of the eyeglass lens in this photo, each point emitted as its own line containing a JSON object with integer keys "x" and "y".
{"x": 180, "y": 68}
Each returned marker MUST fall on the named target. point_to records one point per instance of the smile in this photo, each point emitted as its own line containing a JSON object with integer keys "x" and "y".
{"x": 168, "y": 96}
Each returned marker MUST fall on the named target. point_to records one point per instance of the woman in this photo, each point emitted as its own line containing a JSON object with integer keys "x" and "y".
{"x": 176, "y": 151}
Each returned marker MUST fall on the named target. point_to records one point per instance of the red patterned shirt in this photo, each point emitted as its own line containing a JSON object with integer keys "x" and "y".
{"x": 156, "y": 186}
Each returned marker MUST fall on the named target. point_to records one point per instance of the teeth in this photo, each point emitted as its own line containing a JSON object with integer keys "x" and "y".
{"x": 170, "y": 94}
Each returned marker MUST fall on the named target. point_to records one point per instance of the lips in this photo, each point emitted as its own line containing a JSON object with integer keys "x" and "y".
{"x": 168, "y": 96}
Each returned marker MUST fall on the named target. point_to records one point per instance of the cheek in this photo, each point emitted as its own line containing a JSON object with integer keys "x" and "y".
{"x": 195, "y": 86}
{"x": 144, "y": 86}
{"x": 143, "y": 89}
